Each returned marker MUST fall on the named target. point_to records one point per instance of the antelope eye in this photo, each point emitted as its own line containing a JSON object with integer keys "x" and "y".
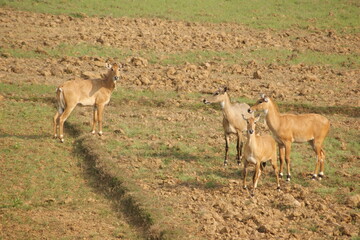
{"x": 216, "y": 93}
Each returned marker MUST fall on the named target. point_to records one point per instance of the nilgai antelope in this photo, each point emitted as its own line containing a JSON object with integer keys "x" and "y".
{"x": 233, "y": 122}
{"x": 289, "y": 128}
{"x": 87, "y": 92}
{"x": 257, "y": 151}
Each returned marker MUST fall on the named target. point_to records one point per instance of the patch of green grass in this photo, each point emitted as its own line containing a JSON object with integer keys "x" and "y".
{"x": 31, "y": 163}
{"x": 313, "y": 228}
{"x": 263, "y": 56}
{"x": 83, "y": 49}
{"x": 323, "y": 191}
{"x": 63, "y": 49}
{"x": 334, "y": 14}
{"x": 213, "y": 181}
{"x": 294, "y": 231}
{"x": 318, "y": 58}
{"x": 26, "y": 90}
{"x": 285, "y": 56}
{"x": 39, "y": 175}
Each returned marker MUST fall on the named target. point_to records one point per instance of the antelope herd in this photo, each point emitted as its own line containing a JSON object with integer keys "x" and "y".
{"x": 237, "y": 119}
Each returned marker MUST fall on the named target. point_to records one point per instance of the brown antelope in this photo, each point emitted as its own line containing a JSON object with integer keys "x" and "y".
{"x": 258, "y": 150}
{"x": 289, "y": 128}
{"x": 87, "y": 92}
{"x": 233, "y": 122}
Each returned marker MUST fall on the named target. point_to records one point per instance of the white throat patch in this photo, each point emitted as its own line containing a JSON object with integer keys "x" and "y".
{"x": 222, "y": 104}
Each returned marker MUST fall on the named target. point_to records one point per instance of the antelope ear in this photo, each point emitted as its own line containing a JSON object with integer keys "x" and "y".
{"x": 243, "y": 117}
{"x": 262, "y": 96}
{"x": 266, "y": 99}
{"x": 226, "y": 89}
{"x": 108, "y": 66}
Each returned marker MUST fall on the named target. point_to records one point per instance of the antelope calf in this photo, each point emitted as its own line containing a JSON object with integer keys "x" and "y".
{"x": 233, "y": 122}
{"x": 289, "y": 128}
{"x": 258, "y": 150}
{"x": 86, "y": 92}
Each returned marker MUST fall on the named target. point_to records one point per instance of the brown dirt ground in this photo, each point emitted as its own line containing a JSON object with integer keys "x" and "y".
{"x": 219, "y": 213}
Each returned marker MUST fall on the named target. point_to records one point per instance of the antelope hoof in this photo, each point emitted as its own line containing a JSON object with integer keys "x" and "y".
{"x": 55, "y": 136}
{"x": 278, "y": 188}
{"x": 239, "y": 162}
{"x": 288, "y": 178}
{"x": 93, "y": 131}
{"x": 225, "y": 164}
{"x": 61, "y": 140}
{"x": 100, "y": 133}
{"x": 245, "y": 187}
{"x": 321, "y": 176}
{"x": 314, "y": 176}
{"x": 281, "y": 175}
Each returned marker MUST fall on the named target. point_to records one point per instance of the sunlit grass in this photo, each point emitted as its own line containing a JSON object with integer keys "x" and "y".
{"x": 334, "y": 14}
{"x": 264, "y": 56}
{"x": 38, "y": 173}
{"x": 63, "y": 49}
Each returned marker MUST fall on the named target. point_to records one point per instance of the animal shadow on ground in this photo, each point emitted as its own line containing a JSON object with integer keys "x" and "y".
{"x": 176, "y": 153}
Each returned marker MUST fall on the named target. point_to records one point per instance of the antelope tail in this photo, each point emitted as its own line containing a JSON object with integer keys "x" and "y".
{"x": 60, "y": 100}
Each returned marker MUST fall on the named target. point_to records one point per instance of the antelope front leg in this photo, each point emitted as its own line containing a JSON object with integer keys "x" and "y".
{"x": 239, "y": 146}
{"x": 244, "y": 174}
{"x": 227, "y": 140}
{"x": 282, "y": 159}
{"x": 95, "y": 120}
{"x": 256, "y": 177}
{"x": 56, "y": 123}
{"x": 322, "y": 163}
{"x": 100, "y": 110}
{"x": 287, "y": 159}
{"x": 274, "y": 165}
{"x": 319, "y": 161}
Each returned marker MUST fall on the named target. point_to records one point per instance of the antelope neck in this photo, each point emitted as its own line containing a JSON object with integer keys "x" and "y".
{"x": 109, "y": 81}
{"x": 273, "y": 117}
{"x": 252, "y": 138}
{"x": 226, "y": 105}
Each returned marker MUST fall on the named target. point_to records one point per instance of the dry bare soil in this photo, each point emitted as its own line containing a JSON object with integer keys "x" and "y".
{"x": 225, "y": 212}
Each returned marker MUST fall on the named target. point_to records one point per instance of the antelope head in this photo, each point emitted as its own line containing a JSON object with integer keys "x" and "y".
{"x": 217, "y": 97}
{"x": 261, "y": 105}
{"x": 113, "y": 71}
{"x": 251, "y": 123}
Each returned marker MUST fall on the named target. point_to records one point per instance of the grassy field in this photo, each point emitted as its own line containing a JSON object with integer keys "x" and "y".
{"x": 340, "y": 15}
{"x": 262, "y": 56}
{"x": 52, "y": 174}
{"x": 44, "y": 182}
{"x": 154, "y": 136}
